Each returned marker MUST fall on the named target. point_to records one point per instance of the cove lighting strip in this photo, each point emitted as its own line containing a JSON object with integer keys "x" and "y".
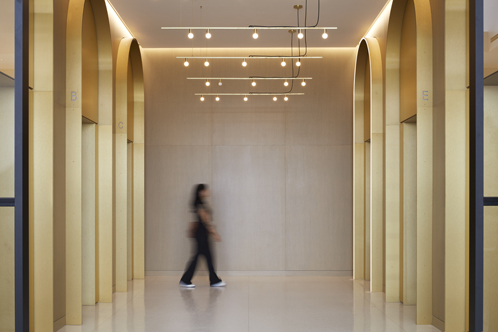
{"x": 249, "y": 78}
{"x": 249, "y": 28}
{"x": 250, "y": 57}
{"x": 251, "y": 94}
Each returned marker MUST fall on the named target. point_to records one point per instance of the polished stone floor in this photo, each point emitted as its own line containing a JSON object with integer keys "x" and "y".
{"x": 259, "y": 304}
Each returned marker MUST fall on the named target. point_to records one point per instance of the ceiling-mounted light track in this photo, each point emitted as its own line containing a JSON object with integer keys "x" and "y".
{"x": 251, "y": 57}
{"x": 252, "y": 94}
{"x": 250, "y": 78}
{"x": 249, "y": 28}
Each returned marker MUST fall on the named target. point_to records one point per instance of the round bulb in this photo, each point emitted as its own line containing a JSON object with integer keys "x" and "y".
{"x": 220, "y": 83}
{"x": 186, "y": 63}
{"x": 253, "y": 83}
{"x": 303, "y": 83}
{"x": 275, "y": 98}
{"x": 325, "y": 35}
{"x": 286, "y": 98}
{"x": 244, "y": 63}
{"x": 190, "y": 34}
{"x": 255, "y": 34}
{"x": 283, "y": 63}
{"x": 206, "y": 63}
{"x": 300, "y": 34}
{"x": 208, "y": 83}
{"x": 202, "y": 98}
{"x": 286, "y": 83}
{"x": 298, "y": 63}
{"x": 217, "y": 98}
{"x": 208, "y": 34}
{"x": 245, "y": 98}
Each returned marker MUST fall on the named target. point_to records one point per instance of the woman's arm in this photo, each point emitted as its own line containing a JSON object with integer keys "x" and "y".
{"x": 206, "y": 219}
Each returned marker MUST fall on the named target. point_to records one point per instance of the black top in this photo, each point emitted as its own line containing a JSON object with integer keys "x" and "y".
{"x": 201, "y": 228}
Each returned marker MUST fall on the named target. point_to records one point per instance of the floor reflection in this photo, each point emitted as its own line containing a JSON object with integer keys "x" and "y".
{"x": 255, "y": 304}
{"x": 202, "y": 312}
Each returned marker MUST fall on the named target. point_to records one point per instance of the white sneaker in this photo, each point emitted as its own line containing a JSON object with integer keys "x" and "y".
{"x": 184, "y": 285}
{"x": 219, "y": 284}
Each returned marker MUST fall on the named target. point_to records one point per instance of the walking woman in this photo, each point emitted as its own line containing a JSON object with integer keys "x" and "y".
{"x": 200, "y": 230}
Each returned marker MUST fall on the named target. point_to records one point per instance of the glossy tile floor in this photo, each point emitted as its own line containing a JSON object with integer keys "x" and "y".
{"x": 249, "y": 304}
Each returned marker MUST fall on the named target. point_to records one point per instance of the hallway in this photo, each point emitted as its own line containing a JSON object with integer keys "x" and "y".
{"x": 249, "y": 304}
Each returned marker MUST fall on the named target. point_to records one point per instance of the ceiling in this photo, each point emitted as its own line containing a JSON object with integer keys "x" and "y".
{"x": 146, "y": 17}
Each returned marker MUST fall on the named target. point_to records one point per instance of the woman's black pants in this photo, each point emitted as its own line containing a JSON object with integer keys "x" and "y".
{"x": 204, "y": 250}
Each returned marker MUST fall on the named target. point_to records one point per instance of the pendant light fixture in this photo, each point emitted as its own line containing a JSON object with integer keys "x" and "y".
{"x": 186, "y": 63}
{"x": 206, "y": 63}
{"x": 298, "y": 63}
{"x": 286, "y": 83}
{"x": 286, "y": 98}
{"x": 208, "y": 83}
{"x": 217, "y": 98}
{"x": 300, "y": 34}
{"x": 303, "y": 83}
{"x": 283, "y": 63}
{"x": 325, "y": 35}
{"x": 220, "y": 83}
{"x": 255, "y": 34}
{"x": 253, "y": 83}
{"x": 190, "y": 34}
{"x": 202, "y": 98}
{"x": 244, "y": 63}
{"x": 245, "y": 98}
{"x": 208, "y": 34}
{"x": 274, "y": 98}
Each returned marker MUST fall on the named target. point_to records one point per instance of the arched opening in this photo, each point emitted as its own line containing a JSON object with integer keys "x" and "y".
{"x": 129, "y": 164}
{"x": 368, "y": 165}
{"x": 88, "y": 187}
{"x": 409, "y": 157}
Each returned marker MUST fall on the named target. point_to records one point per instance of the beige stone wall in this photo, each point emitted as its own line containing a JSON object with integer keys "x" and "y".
{"x": 280, "y": 172}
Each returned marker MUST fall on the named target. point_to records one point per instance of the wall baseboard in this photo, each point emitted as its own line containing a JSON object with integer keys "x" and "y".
{"x": 257, "y": 273}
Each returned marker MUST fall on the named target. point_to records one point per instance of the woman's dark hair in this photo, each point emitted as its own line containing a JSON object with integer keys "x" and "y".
{"x": 197, "y": 195}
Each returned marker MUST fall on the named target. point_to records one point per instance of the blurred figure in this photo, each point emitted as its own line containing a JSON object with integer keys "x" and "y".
{"x": 200, "y": 230}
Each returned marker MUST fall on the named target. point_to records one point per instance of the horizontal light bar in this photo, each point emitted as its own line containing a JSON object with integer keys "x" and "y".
{"x": 251, "y": 94}
{"x": 248, "y": 28}
{"x": 249, "y": 78}
{"x": 251, "y": 57}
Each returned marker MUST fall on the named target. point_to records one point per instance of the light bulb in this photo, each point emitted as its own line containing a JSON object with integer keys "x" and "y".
{"x": 208, "y": 34}
{"x": 298, "y": 63}
{"x": 325, "y": 35}
{"x": 186, "y": 63}
{"x": 244, "y": 63}
{"x": 286, "y": 83}
{"x": 303, "y": 83}
{"x": 206, "y": 63}
{"x": 245, "y": 98}
{"x": 253, "y": 83}
{"x": 208, "y": 83}
{"x": 220, "y": 83}
{"x": 190, "y": 34}
{"x": 217, "y": 98}
{"x": 202, "y": 98}
{"x": 300, "y": 34}
{"x": 255, "y": 34}
{"x": 274, "y": 98}
{"x": 283, "y": 63}
{"x": 286, "y": 98}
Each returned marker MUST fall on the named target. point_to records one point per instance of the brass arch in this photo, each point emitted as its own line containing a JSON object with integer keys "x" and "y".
{"x": 74, "y": 83}
{"x": 129, "y": 62}
{"x": 369, "y": 52}
{"x": 424, "y": 87}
